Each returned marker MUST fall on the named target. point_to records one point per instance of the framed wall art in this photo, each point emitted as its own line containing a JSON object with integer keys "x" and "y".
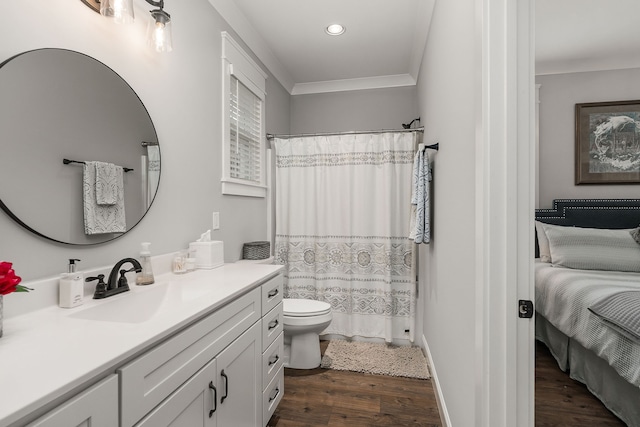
{"x": 608, "y": 143}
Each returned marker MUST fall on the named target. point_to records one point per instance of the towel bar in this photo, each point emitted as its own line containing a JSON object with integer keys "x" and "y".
{"x": 67, "y": 161}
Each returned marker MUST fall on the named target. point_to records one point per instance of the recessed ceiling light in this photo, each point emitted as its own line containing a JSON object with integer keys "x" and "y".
{"x": 335, "y": 29}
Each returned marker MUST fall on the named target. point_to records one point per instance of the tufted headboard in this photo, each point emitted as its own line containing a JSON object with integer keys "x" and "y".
{"x": 591, "y": 213}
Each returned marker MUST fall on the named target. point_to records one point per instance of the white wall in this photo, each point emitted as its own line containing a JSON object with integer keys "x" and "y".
{"x": 558, "y": 95}
{"x": 182, "y": 92}
{"x": 372, "y": 109}
{"x": 447, "y": 283}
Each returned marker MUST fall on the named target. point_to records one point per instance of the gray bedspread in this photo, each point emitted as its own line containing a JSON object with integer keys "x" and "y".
{"x": 563, "y": 297}
{"x": 620, "y": 311}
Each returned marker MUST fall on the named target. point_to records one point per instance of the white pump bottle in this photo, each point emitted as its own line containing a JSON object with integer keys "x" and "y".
{"x": 71, "y": 292}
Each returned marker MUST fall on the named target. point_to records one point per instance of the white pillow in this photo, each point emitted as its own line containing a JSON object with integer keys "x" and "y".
{"x": 543, "y": 243}
{"x": 593, "y": 248}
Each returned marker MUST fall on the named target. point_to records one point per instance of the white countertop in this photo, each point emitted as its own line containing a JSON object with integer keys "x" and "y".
{"x": 50, "y": 352}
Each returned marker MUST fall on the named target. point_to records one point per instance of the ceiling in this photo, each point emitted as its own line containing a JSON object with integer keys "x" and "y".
{"x": 382, "y": 46}
{"x": 384, "y": 41}
{"x": 586, "y": 35}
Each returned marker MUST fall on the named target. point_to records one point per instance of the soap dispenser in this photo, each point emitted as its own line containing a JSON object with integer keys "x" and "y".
{"x": 71, "y": 291}
{"x": 145, "y": 277}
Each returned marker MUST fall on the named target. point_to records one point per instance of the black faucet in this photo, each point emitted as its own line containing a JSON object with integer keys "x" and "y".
{"x": 113, "y": 287}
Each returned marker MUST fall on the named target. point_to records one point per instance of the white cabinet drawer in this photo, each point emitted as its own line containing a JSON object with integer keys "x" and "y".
{"x": 272, "y": 324}
{"x": 272, "y": 293}
{"x": 272, "y": 396}
{"x": 97, "y": 406}
{"x": 149, "y": 379}
{"x": 272, "y": 360}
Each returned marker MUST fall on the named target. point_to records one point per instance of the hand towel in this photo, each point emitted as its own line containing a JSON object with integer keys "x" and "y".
{"x": 422, "y": 199}
{"x": 101, "y": 219}
{"x": 414, "y": 194}
{"x": 109, "y": 183}
{"x": 153, "y": 171}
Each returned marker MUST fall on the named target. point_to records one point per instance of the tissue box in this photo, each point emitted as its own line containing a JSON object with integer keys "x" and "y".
{"x": 208, "y": 255}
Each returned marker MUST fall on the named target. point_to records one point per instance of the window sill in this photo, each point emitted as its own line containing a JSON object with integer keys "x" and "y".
{"x": 240, "y": 189}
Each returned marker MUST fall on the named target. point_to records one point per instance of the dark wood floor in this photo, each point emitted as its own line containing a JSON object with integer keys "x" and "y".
{"x": 325, "y": 397}
{"x": 561, "y": 401}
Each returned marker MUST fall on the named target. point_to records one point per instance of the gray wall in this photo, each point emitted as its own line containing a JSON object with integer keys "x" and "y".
{"x": 372, "y": 109}
{"x": 558, "y": 95}
{"x": 182, "y": 92}
{"x": 447, "y": 90}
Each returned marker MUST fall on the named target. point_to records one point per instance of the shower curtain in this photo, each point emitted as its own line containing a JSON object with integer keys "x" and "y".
{"x": 342, "y": 213}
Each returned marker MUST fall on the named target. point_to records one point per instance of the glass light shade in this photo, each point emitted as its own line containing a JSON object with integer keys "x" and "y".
{"x": 120, "y": 10}
{"x": 159, "y": 31}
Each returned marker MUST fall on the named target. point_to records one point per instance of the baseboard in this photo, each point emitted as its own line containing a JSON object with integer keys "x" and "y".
{"x": 442, "y": 407}
{"x": 398, "y": 341}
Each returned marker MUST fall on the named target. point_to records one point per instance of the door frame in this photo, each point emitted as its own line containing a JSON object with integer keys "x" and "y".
{"x": 505, "y": 199}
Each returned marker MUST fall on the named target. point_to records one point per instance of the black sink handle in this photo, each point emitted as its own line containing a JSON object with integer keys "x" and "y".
{"x": 122, "y": 281}
{"x": 99, "y": 278}
{"x": 101, "y": 287}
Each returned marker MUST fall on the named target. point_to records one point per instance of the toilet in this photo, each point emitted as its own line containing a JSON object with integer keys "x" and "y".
{"x": 304, "y": 319}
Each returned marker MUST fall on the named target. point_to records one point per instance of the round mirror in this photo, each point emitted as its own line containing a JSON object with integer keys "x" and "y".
{"x": 81, "y": 160}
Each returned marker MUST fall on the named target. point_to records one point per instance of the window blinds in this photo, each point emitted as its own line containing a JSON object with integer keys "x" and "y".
{"x": 245, "y": 111}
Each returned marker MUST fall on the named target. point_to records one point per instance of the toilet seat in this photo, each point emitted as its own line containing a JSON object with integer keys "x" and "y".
{"x": 305, "y": 307}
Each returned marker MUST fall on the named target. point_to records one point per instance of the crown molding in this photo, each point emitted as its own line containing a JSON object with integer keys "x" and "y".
{"x": 363, "y": 83}
{"x": 586, "y": 65}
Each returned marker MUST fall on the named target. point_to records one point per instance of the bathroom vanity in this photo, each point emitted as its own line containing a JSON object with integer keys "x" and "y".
{"x": 204, "y": 348}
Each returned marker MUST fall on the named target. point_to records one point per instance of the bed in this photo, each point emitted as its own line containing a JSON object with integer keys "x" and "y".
{"x": 587, "y": 279}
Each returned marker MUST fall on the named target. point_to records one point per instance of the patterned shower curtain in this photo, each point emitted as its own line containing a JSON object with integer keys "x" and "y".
{"x": 342, "y": 226}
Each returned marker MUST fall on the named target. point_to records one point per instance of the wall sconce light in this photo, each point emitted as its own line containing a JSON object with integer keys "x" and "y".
{"x": 158, "y": 29}
{"x": 120, "y": 10}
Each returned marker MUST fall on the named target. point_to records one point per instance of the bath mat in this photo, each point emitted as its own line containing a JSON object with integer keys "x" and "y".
{"x": 374, "y": 358}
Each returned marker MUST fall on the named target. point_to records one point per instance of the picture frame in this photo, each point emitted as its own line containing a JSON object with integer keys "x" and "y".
{"x": 607, "y": 147}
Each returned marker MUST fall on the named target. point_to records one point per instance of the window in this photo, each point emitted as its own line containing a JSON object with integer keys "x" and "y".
{"x": 245, "y": 114}
{"x": 243, "y": 122}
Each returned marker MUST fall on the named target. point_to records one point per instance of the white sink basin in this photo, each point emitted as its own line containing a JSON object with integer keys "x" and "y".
{"x": 141, "y": 304}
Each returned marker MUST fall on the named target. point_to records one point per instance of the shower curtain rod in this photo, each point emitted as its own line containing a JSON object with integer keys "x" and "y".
{"x": 357, "y": 132}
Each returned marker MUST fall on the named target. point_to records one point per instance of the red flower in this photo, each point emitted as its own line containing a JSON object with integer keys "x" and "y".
{"x": 9, "y": 282}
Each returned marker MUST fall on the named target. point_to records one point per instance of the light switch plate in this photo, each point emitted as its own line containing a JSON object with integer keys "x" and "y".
{"x": 216, "y": 220}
